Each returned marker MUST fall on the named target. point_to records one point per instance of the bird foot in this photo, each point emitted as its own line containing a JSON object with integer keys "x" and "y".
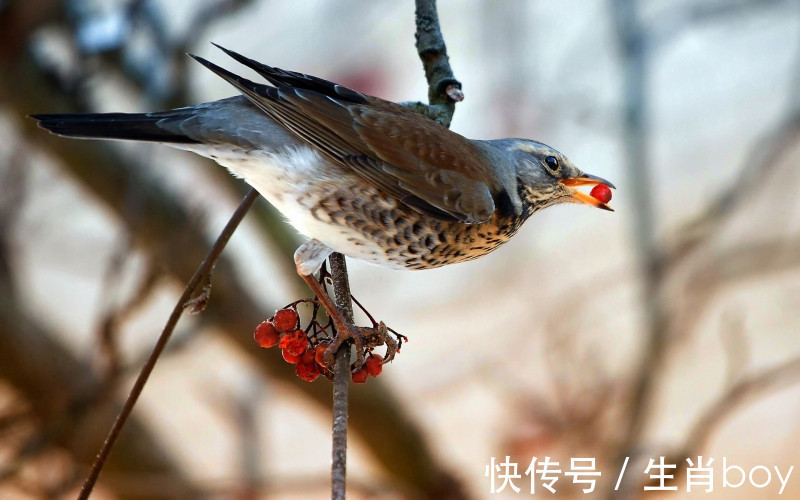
{"x": 383, "y": 335}
{"x": 365, "y": 339}
{"x": 346, "y": 333}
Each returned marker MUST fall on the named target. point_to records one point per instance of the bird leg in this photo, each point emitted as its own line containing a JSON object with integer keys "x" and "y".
{"x": 309, "y": 258}
{"x": 344, "y": 330}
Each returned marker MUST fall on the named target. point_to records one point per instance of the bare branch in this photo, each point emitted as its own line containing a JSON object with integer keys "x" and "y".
{"x": 203, "y": 270}
{"x": 762, "y": 160}
{"x": 341, "y": 380}
{"x": 63, "y": 396}
{"x": 635, "y": 43}
{"x": 735, "y": 398}
{"x": 635, "y": 132}
{"x": 443, "y": 88}
{"x": 735, "y": 346}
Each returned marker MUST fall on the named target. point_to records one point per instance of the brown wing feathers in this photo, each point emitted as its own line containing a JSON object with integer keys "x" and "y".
{"x": 388, "y": 145}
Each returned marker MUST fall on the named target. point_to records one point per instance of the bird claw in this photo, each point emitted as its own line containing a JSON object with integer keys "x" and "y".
{"x": 377, "y": 336}
{"x": 363, "y": 338}
{"x": 345, "y": 333}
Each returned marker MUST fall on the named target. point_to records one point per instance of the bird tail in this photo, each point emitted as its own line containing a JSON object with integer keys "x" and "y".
{"x": 125, "y": 126}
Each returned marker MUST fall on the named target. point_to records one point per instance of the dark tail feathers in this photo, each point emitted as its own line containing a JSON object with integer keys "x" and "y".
{"x": 128, "y": 126}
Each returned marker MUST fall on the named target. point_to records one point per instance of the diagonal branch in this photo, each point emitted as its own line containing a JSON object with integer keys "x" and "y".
{"x": 735, "y": 398}
{"x": 200, "y": 276}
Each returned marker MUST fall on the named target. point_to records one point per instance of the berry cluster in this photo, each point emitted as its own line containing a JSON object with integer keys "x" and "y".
{"x": 306, "y": 348}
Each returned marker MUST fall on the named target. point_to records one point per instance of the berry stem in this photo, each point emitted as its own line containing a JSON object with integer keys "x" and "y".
{"x": 374, "y": 323}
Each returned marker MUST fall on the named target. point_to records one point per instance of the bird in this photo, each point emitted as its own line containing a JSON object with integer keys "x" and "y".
{"x": 356, "y": 174}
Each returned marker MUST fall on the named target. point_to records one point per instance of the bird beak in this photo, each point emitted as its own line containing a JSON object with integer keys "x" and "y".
{"x": 587, "y": 180}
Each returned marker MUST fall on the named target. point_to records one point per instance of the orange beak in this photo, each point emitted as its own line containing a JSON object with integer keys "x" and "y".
{"x": 580, "y": 196}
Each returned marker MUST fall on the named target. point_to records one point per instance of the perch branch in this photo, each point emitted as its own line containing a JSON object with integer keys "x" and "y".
{"x": 341, "y": 380}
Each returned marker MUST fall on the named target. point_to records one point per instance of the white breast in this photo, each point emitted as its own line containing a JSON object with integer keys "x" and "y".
{"x": 294, "y": 179}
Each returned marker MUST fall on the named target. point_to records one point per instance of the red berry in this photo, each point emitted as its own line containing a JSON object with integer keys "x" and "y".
{"x": 285, "y": 320}
{"x": 307, "y": 371}
{"x": 360, "y": 375}
{"x": 290, "y": 358}
{"x": 266, "y": 335}
{"x": 601, "y": 192}
{"x": 319, "y": 354}
{"x": 294, "y": 342}
{"x": 374, "y": 365}
{"x": 308, "y": 355}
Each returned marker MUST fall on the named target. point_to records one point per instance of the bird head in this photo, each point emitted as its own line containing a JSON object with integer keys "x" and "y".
{"x": 547, "y": 177}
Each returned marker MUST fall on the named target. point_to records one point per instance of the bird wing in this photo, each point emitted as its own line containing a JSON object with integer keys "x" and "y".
{"x": 408, "y": 156}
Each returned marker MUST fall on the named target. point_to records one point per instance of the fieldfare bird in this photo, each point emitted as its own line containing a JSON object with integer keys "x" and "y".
{"x": 357, "y": 174}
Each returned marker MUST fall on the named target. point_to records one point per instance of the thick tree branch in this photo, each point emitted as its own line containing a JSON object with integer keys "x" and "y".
{"x": 443, "y": 88}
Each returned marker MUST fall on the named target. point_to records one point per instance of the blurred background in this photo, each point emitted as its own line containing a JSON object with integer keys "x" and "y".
{"x": 667, "y": 328}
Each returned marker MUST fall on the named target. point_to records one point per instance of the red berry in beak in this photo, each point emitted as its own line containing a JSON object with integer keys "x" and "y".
{"x": 601, "y": 192}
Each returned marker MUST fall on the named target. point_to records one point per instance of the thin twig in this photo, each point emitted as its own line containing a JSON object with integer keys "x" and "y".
{"x": 341, "y": 380}
{"x": 749, "y": 389}
{"x": 202, "y": 272}
{"x": 752, "y": 387}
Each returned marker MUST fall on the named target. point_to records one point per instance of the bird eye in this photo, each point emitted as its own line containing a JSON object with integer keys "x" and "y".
{"x": 552, "y": 163}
